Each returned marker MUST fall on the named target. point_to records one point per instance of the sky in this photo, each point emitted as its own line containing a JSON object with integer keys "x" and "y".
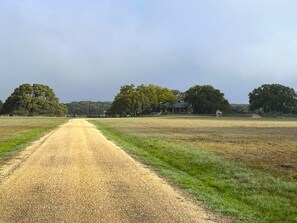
{"x": 88, "y": 49}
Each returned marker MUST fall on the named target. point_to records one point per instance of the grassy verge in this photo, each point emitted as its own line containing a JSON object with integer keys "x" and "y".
{"x": 16, "y": 133}
{"x": 250, "y": 195}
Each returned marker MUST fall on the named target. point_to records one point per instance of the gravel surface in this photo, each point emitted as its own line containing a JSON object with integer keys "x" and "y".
{"x": 77, "y": 175}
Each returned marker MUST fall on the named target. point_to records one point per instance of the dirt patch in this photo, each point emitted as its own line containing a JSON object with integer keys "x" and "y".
{"x": 11, "y": 163}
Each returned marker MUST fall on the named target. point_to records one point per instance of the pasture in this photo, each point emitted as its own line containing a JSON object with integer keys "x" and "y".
{"x": 242, "y": 167}
{"x": 17, "y": 132}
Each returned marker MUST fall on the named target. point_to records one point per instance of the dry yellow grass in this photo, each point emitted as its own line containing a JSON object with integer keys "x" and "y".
{"x": 270, "y": 145}
{"x": 239, "y": 166}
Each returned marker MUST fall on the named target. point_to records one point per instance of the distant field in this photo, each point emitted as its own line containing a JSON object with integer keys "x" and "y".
{"x": 241, "y": 166}
{"x": 15, "y": 132}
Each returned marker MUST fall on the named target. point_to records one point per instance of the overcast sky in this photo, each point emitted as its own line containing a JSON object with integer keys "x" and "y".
{"x": 87, "y": 49}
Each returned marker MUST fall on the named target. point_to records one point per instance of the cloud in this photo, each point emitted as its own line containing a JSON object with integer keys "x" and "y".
{"x": 88, "y": 49}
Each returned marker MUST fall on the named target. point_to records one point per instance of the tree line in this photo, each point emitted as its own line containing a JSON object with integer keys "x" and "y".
{"x": 38, "y": 99}
{"x": 88, "y": 108}
{"x": 135, "y": 100}
{"x": 203, "y": 99}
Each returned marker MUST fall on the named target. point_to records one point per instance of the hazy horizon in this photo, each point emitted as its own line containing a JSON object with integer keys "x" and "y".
{"x": 88, "y": 49}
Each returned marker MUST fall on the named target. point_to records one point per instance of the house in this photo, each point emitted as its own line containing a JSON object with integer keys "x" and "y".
{"x": 240, "y": 108}
{"x": 180, "y": 107}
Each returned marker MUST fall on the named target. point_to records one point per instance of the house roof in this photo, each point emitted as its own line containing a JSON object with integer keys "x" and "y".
{"x": 181, "y": 104}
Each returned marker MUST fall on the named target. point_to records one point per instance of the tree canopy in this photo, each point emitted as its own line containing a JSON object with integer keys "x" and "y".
{"x": 180, "y": 96}
{"x": 134, "y": 100}
{"x": 274, "y": 98}
{"x": 87, "y": 108}
{"x": 1, "y": 106}
{"x": 36, "y": 99}
{"x": 205, "y": 99}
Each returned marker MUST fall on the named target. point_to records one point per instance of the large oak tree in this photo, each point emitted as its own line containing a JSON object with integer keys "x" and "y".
{"x": 205, "y": 99}
{"x": 36, "y": 99}
{"x": 134, "y": 100}
{"x": 274, "y": 98}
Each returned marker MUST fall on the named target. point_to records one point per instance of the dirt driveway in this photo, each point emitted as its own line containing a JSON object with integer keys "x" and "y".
{"x": 77, "y": 175}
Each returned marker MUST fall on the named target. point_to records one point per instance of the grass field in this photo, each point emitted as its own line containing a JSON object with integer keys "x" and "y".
{"x": 239, "y": 166}
{"x": 16, "y": 132}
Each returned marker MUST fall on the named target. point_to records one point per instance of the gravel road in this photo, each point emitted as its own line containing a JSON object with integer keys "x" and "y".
{"x": 77, "y": 175}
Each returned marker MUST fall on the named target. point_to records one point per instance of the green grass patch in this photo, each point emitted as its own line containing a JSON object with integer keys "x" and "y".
{"x": 249, "y": 195}
{"x": 16, "y": 133}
